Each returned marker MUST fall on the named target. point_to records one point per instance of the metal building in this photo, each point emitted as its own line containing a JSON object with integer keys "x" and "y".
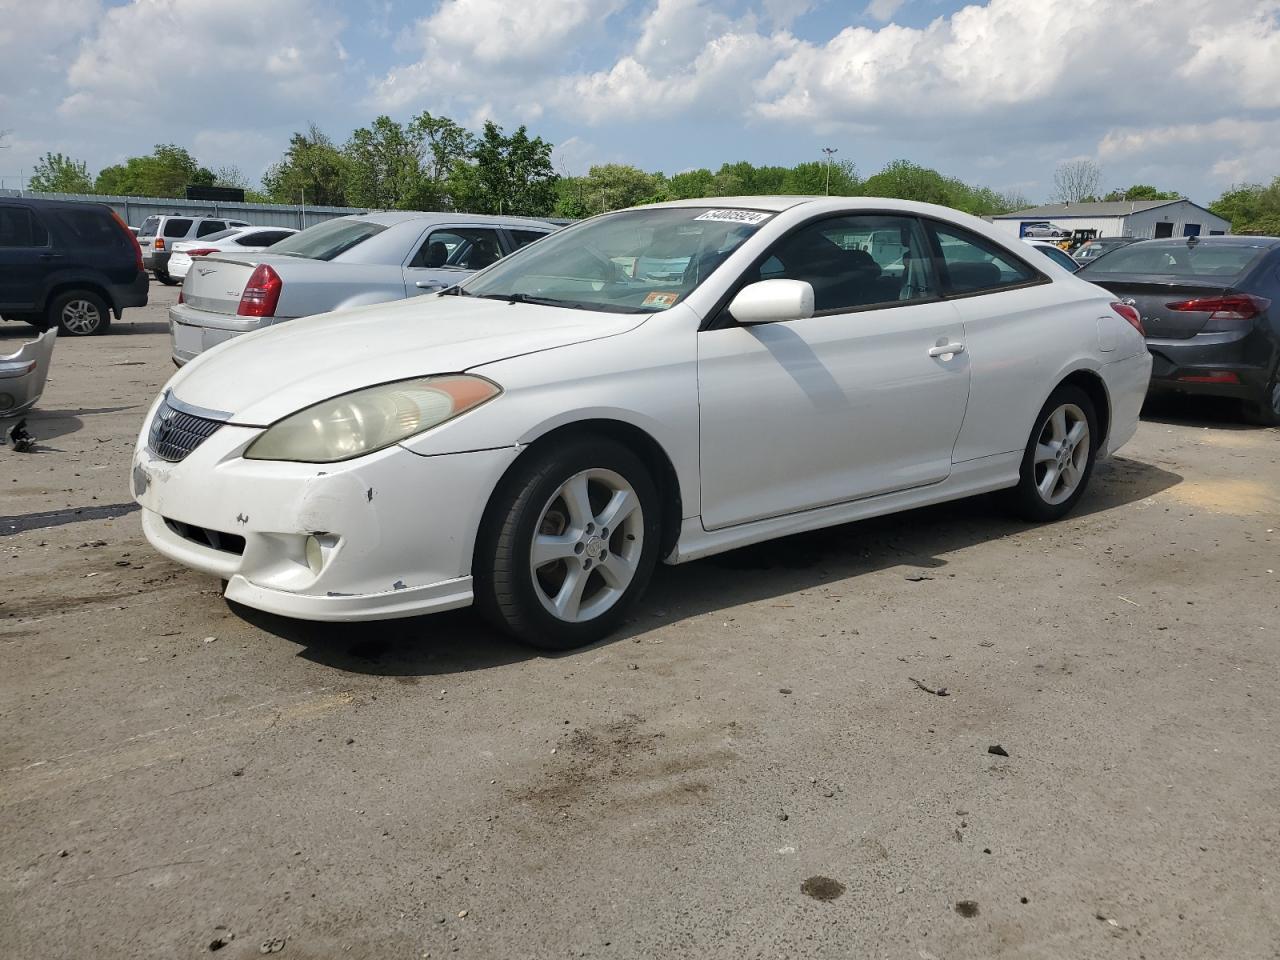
{"x": 1145, "y": 219}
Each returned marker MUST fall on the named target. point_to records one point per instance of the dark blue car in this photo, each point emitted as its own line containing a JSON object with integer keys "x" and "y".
{"x": 67, "y": 265}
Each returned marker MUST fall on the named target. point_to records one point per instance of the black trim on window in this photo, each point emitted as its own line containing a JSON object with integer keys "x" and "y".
{"x": 940, "y": 262}
{"x": 719, "y": 317}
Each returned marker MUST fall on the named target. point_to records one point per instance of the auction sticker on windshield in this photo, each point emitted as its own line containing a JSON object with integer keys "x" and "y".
{"x": 661, "y": 299}
{"x": 735, "y": 216}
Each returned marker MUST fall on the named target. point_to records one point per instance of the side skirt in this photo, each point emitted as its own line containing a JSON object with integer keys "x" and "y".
{"x": 967, "y": 480}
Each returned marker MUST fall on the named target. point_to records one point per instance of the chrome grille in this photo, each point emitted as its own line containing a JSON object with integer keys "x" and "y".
{"x": 177, "y": 430}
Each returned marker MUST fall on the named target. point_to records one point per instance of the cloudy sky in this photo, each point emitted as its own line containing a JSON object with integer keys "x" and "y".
{"x": 1184, "y": 94}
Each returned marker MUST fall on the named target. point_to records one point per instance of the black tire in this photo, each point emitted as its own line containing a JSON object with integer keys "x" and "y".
{"x": 1265, "y": 411}
{"x": 507, "y": 591}
{"x": 167, "y": 280}
{"x": 79, "y": 313}
{"x": 1027, "y": 499}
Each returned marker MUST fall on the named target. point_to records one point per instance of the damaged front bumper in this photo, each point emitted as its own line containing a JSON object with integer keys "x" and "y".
{"x": 387, "y": 535}
{"x": 23, "y": 374}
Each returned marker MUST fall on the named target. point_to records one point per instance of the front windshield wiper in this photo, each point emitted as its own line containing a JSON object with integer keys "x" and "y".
{"x": 526, "y": 298}
{"x": 455, "y": 291}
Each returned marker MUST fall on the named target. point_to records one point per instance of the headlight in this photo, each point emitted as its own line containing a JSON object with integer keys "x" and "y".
{"x": 367, "y": 420}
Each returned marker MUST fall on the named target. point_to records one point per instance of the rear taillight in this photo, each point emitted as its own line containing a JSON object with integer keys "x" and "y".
{"x": 202, "y": 252}
{"x": 1232, "y": 306}
{"x": 137, "y": 250}
{"x": 261, "y": 293}
{"x": 1131, "y": 314}
{"x": 159, "y": 244}
{"x": 181, "y": 298}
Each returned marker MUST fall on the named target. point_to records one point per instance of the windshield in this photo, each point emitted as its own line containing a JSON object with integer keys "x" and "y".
{"x": 327, "y": 240}
{"x": 1177, "y": 260}
{"x": 635, "y": 261}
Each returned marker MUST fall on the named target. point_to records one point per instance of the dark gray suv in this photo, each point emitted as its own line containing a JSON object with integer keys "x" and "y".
{"x": 67, "y": 264}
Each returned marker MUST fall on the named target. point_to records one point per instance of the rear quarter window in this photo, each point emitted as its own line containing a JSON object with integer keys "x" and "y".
{"x": 91, "y": 228}
{"x": 177, "y": 227}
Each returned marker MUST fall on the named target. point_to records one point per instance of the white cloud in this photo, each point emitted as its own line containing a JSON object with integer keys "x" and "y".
{"x": 1232, "y": 150}
{"x": 224, "y": 60}
{"x": 469, "y": 49}
{"x": 883, "y": 10}
{"x": 35, "y": 43}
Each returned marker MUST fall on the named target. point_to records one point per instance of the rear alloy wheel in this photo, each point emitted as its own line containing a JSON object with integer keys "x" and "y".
{"x": 1265, "y": 411}
{"x": 568, "y": 544}
{"x": 79, "y": 313}
{"x": 1059, "y": 457}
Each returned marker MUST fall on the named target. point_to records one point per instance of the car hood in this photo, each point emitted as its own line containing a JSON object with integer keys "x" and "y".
{"x": 263, "y": 376}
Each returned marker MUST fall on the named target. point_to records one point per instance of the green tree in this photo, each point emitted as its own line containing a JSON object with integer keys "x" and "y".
{"x": 609, "y": 186}
{"x": 384, "y": 166}
{"x": 166, "y": 172}
{"x": 312, "y": 169}
{"x": 1142, "y": 191}
{"x": 1252, "y": 208}
{"x": 690, "y": 184}
{"x": 508, "y": 174}
{"x": 55, "y": 173}
{"x": 904, "y": 180}
{"x": 810, "y": 179}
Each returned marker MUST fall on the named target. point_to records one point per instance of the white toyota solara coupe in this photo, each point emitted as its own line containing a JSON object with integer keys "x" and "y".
{"x": 665, "y": 382}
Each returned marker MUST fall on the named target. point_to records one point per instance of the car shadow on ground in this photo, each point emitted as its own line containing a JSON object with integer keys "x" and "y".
{"x": 46, "y": 425}
{"x": 461, "y": 641}
{"x": 21, "y": 332}
{"x": 1184, "y": 410}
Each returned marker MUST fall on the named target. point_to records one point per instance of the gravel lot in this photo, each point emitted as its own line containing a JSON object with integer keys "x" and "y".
{"x": 747, "y": 771}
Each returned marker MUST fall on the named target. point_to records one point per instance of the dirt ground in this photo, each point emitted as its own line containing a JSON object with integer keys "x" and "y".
{"x": 747, "y": 771}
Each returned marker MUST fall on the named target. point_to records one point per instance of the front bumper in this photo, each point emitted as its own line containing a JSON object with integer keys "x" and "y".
{"x": 192, "y": 332}
{"x": 1220, "y": 364}
{"x": 396, "y": 530}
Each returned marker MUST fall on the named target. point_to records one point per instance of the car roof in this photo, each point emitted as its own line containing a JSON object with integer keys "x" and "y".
{"x": 1223, "y": 241}
{"x": 389, "y": 218}
{"x": 53, "y": 204}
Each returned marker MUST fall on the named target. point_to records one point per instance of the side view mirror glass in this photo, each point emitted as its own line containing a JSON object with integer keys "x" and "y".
{"x": 773, "y": 301}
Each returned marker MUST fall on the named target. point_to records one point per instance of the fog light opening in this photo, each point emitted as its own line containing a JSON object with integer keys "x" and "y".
{"x": 315, "y": 555}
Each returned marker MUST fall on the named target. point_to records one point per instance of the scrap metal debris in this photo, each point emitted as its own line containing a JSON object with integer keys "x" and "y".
{"x": 939, "y": 692}
{"x": 998, "y": 750}
{"x": 18, "y": 437}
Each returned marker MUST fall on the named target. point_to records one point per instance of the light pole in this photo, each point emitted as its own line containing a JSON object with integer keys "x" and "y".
{"x": 830, "y": 152}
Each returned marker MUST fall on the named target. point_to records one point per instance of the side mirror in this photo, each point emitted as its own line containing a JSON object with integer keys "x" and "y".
{"x": 773, "y": 301}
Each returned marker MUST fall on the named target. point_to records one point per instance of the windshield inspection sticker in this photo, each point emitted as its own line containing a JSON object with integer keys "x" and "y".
{"x": 660, "y": 299}
{"x": 734, "y": 216}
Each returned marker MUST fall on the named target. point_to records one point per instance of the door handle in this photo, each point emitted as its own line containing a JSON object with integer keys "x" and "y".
{"x": 946, "y": 349}
{"x": 50, "y": 256}
{"x": 429, "y": 285}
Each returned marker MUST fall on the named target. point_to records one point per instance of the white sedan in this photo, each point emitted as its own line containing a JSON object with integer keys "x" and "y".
{"x": 235, "y": 240}
{"x": 536, "y": 438}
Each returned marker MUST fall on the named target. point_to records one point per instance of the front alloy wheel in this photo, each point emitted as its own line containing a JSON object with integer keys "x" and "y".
{"x": 588, "y": 545}
{"x": 567, "y": 544}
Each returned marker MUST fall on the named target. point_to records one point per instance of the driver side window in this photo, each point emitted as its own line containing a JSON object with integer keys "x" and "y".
{"x": 856, "y": 262}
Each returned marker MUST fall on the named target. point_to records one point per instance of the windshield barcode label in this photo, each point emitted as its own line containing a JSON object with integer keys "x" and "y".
{"x": 734, "y": 216}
